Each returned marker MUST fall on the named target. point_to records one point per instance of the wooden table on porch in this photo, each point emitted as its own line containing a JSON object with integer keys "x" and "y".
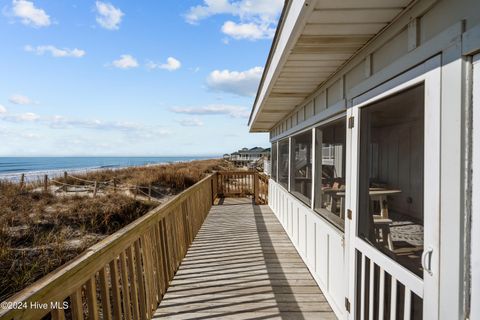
{"x": 381, "y": 222}
{"x": 376, "y": 194}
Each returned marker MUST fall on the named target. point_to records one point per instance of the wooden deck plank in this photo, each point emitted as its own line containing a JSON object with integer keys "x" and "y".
{"x": 242, "y": 265}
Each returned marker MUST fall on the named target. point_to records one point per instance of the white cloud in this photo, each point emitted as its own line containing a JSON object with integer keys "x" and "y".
{"x": 257, "y": 19}
{"x": 61, "y": 122}
{"x": 220, "y": 109}
{"x": 243, "y": 83}
{"x": 21, "y": 117}
{"x": 250, "y": 31}
{"x": 29, "y": 14}
{"x": 108, "y": 16}
{"x": 126, "y": 61}
{"x": 264, "y": 10}
{"x": 28, "y": 116}
{"x": 172, "y": 64}
{"x": 21, "y": 100}
{"x": 56, "y": 52}
{"x": 191, "y": 122}
{"x": 2, "y": 109}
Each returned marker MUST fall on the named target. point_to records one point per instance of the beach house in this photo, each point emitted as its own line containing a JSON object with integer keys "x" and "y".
{"x": 246, "y": 156}
{"x": 371, "y": 108}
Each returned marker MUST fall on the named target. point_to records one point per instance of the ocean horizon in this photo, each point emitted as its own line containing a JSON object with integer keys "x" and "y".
{"x": 11, "y": 168}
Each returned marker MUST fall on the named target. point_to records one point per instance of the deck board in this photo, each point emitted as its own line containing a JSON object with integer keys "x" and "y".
{"x": 242, "y": 265}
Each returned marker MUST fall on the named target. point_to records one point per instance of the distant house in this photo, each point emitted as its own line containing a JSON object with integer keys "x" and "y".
{"x": 248, "y": 157}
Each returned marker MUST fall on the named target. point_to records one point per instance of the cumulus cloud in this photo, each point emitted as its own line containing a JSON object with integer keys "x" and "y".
{"x": 243, "y": 83}
{"x": 2, "y": 109}
{"x": 249, "y": 31}
{"x": 56, "y": 52}
{"x": 108, "y": 16}
{"x": 125, "y": 61}
{"x": 217, "y": 109}
{"x": 265, "y": 10}
{"x": 21, "y": 100}
{"x": 257, "y": 19}
{"x": 172, "y": 64}
{"x": 191, "y": 122}
{"x": 29, "y": 14}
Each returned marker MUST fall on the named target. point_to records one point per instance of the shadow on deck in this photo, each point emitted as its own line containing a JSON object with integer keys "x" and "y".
{"x": 242, "y": 265}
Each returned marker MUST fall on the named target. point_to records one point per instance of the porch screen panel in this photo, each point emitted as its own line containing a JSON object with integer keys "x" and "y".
{"x": 274, "y": 161}
{"x": 301, "y": 167}
{"x": 391, "y": 171}
{"x": 283, "y": 161}
{"x": 330, "y": 142}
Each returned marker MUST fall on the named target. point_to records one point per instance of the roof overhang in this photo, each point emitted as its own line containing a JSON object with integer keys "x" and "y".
{"x": 314, "y": 39}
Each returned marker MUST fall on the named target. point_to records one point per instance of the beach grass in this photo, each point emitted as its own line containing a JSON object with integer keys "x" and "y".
{"x": 40, "y": 231}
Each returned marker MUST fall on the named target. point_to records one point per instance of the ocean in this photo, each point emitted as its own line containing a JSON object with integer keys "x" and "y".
{"x": 11, "y": 168}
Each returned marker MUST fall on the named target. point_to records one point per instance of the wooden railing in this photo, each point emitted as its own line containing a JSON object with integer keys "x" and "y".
{"x": 243, "y": 183}
{"x": 126, "y": 275}
{"x": 262, "y": 188}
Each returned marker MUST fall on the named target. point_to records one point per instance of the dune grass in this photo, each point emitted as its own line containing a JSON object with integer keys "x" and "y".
{"x": 176, "y": 176}
{"x": 40, "y": 231}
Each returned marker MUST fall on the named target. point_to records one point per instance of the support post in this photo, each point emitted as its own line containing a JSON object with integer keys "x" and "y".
{"x": 213, "y": 184}
{"x": 95, "y": 188}
{"x": 45, "y": 183}
{"x": 256, "y": 188}
{"x": 22, "y": 181}
{"x": 65, "y": 177}
{"x": 150, "y": 191}
{"x": 114, "y": 185}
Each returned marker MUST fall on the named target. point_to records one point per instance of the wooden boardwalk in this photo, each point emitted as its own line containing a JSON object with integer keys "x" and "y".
{"x": 242, "y": 265}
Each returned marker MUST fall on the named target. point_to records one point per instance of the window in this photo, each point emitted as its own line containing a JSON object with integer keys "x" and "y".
{"x": 301, "y": 167}
{"x": 274, "y": 161}
{"x": 330, "y": 142}
{"x": 391, "y": 172}
{"x": 283, "y": 163}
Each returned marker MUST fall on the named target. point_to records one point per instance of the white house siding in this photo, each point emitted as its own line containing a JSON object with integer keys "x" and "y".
{"x": 320, "y": 245}
{"x": 475, "y": 234}
{"x": 439, "y": 27}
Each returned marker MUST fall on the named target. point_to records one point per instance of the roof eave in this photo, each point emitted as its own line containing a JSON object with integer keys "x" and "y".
{"x": 290, "y": 23}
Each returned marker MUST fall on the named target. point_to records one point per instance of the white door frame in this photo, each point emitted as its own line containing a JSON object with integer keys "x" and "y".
{"x": 428, "y": 73}
{"x": 475, "y": 231}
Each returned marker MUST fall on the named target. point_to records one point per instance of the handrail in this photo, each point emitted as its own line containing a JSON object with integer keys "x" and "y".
{"x": 133, "y": 266}
{"x": 126, "y": 274}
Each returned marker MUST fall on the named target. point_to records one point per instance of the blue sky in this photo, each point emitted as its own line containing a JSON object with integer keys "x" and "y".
{"x": 131, "y": 77}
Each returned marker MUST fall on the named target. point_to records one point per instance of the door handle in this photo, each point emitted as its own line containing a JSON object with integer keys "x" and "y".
{"x": 427, "y": 260}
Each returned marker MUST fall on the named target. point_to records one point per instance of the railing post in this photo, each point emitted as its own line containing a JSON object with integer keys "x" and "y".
{"x": 45, "y": 183}
{"x": 22, "y": 181}
{"x": 95, "y": 188}
{"x": 65, "y": 177}
{"x": 212, "y": 188}
{"x": 256, "y": 187}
